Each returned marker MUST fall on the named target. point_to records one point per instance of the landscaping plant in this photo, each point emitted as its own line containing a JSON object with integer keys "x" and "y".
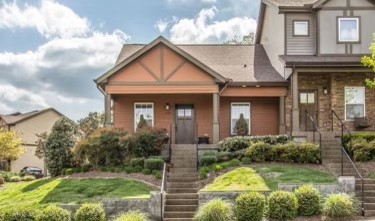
{"x": 53, "y": 213}
{"x": 28, "y": 178}
{"x": 90, "y": 212}
{"x": 15, "y": 179}
{"x": 10, "y": 146}
{"x": 19, "y": 214}
{"x": 215, "y": 210}
{"x": 154, "y": 164}
{"x": 309, "y": 199}
{"x": 282, "y": 205}
{"x": 137, "y": 162}
{"x": 132, "y": 216}
{"x": 224, "y": 156}
{"x": 207, "y": 160}
{"x": 250, "y": 206}
{"x": 340, "y": 205}
{"x": 259, "y": 152}
{"x": 236, "y": 143}
{"x": 147, "y": 141}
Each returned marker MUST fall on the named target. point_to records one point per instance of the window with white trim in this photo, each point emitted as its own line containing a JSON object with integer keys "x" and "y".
{"x": 300, "y": 28}
{"x": 348, "y": 29}
{"x": 236, "y": 110}
{"x": 354, "y": 102}
{"x": 145, "y": 109}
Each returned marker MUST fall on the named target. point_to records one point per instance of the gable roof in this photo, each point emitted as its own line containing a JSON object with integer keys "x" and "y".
{"x": 14, "y": 118}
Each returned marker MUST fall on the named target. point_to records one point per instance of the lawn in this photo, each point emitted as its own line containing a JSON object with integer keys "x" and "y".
{"x": 42, "y": 192}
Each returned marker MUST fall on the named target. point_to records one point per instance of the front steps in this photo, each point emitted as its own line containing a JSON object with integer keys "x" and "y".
{"x": 182, "y": 185}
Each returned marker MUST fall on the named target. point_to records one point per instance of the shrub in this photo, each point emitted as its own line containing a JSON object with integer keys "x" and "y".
{"x": 154, "y": 164}
{"x": 203, "y": 172}
{"x": 217, "y": 168}
{"x": 207, "y": 160}
{"x": 250, "y": 206}
{"x": 158, "y": 175}
{"x": 215, "y": 210}
{"x": 282, "y": 205}
{"x": 15, "y": 179}
{"x": 164, "y": 158}
{"x": 368, "y": 136}
{"x": 53, "y": 213}
{"x": 308, "y": 201}
{"x": 137, "y": 162}
{"x": 293, "y": 153}
{"x": 137, "y": 169}
{"x": 146, "y": 171}
{"x": 242, "y": 142}
{"x": 69, "y": 171}
{"x": 28, "y": 178}
{"x": 148, "y": 141}
{"x": 19, "y": 214}
{"x": 239, "y": 154}
{"x": 224, "y": 156}
{"x": 259, "y": 152}
{"x": 129, "y": 169}
{"x": 7, "y": 175}
{"x": 246, "y": 160}
{"x": 363, "y": 150}
{"x": 234, "y": 163}
{"x": 132, "y": 216}
{"x": 340, "y": 205}
{"x": 2, "y": 181}
{"x": 90, "y": 212}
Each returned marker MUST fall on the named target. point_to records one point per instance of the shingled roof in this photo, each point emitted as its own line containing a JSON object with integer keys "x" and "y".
{"x": 14, "y": 118}
{"x": 291, "y": 3}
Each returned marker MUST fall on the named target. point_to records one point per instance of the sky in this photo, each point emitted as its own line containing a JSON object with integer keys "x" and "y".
{"x": 50, "y": 51}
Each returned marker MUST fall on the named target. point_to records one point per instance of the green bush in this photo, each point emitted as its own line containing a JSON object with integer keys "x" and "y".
{"x": 137, "y": 169}
{"x": 53, "y": 213}
{"x": 368, "y": 136}
{"x": 242, "y": 142}
{"x": 250, "y": 206}
{"x": 158, "y": 175}
{"x": 28, "y": 178}
{"x": 137, "y": 162}
{"x": 19, "y": 214}
{"x": 154, "y": 164}
{"x": 246, "y": 160}
{"x": 132, "y": 216}
{"x": 282, "y": 205}
{"x": 224, "y": 156}
{"x": 340, "y": 205}
{"x": 15, "y": 179}
{"x": 234, "y": 163}
{"x": 207, "y": 160}
{"x": 293, "y": 153}
{"x": 146, "y": 171}
{"x": 215, "y": 210}
{"x": 217, "y": 168}
{"x": 203, "y": 172}
{"x": 239, "y": 154}
{"x": 309, "y": 200}
{"x": 148, "y": 141}
{"x": 2, "y": 181}
{"x": 129, "y": 170}
{"x": 7, "y": 175}
{"x": 363, "y": 150}
{"x": 259, "y": 152}
{"x": 164, "y": 158}
{"x": 69, "y": 171}
{"x": 90, "y": 212}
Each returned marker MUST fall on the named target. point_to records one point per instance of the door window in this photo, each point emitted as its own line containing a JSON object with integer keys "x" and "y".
{"x": 307, "y": 98}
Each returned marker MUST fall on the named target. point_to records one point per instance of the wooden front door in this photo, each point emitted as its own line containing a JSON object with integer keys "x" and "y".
{"x": 308, "y": 102}
{"x": 185, "y": 124}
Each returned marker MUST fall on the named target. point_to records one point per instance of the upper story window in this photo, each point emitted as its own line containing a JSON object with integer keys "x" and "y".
{"x": 348, "y": 29}
{"x": 300, "y": 28}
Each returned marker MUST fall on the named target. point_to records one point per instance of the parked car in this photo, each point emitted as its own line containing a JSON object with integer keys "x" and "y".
{"x": 34, "y": 171}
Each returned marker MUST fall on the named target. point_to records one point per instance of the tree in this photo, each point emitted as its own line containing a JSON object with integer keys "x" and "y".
{"x": 246, "y": 39}
{"x": 370, "y": 63}
{"x": 41, "y": 145}
{"x": 10, "y": 146}
{"x": 241, "y": 126}
{"x": 59, "y": 144}
{"x": 91, "y": 123}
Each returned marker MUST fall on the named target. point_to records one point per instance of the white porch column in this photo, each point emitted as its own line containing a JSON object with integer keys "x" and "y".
{"x": 295, "y": 109}
{"x": 107, "y": 110}
{"x": 215, "y": 120}
{"x": 282, "y": 115}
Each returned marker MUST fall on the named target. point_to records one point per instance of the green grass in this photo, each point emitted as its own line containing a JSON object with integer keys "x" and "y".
{"x": 240, "y": 179}
{"x": 40, "y": 193}
{"x": 275, "y": 174}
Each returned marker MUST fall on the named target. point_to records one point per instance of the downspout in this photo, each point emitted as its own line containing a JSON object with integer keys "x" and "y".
{"x": 105, "y": 94}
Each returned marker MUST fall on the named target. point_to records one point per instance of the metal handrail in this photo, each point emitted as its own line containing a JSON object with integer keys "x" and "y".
{"x": 316, "y": 129}
{"x": 197, "y": 144}
{"x": 162, "y": 190}
{"x": 170, "y": 144}
{"x": 291, "y": 124}
{"x": 344, "y": 152}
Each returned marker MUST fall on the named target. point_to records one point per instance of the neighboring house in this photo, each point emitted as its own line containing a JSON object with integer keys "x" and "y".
{"x": 28, "y": 125}
{"x": 318, "y": 45}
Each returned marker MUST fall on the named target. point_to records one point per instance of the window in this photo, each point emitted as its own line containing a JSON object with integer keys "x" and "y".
{"x": 300, "y": 28}
{"x": 145, "y": 109}
{"x": 348, "y": 29}
{"x": 354, "y": 102}
{"x": 307, "y": 98}
{"x": 236, "y": 110}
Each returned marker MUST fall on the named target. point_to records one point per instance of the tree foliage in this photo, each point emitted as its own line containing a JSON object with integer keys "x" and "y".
{"x": 41, "y": 145}
{"x": 241, "y": 126}
{"x": 246, "y": 39}
{"x": 10, "y": 145}
{"x": 59, "y": 144}
{"x": 91, "y": 123}
{"x": 369, "y": 61}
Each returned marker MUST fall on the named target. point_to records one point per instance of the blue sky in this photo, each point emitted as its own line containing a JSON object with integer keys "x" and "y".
{"x": 50, "y": 51}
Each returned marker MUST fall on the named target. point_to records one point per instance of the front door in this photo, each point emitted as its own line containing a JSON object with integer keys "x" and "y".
{"x": 185, "y": 124}
{"x": 308, "y": 102}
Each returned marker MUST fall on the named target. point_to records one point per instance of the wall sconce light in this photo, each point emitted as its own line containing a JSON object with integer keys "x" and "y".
{"x": 167, "y": 106}
{"x": 325, "y": 90}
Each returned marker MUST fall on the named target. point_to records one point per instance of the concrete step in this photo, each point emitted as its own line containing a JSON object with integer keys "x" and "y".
{"x": 367, "y": 193}
{"x": 175, "y": 174}
{"x": 187, "y": 160}
{"x": 369, "y": 206}
{"x": 179, "y": 215}
{"x": 182, "y": 179}
{"x": 369, "y": 213}
{"x": 182, "y": 190}
{"x": 182, "y": 196}
{"x": 367, "y": 199}
{"x": 184, "y": 154}
{"x": 178, "y": 219}
{"x": 183, "y": 170}
{"x": 334, "y": 160}
{"x": 182, "y": 185}
{"x": 365, "y": 186}
{"x": 180, "y": 208}
{"x": 365, "y": 181}
{"x": 182, "y": 202}
{"x": 183, "y": 164}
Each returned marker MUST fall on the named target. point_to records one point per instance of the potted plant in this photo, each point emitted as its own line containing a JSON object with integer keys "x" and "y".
{"x": 205, "y": 139}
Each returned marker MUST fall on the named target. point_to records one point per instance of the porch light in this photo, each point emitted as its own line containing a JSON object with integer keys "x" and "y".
{"x": 243, "y": 85}
{"x": 325, "y": 90}
{"x": 257, "y": 85}
{"x": 167, "y": 106}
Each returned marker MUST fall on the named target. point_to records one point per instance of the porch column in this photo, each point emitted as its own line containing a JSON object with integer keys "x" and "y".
{"x": 282, "y": 115}
{"x": 107, "y": 110}
{"x": 295, "y": 109}
{"x": 215, "y": 120}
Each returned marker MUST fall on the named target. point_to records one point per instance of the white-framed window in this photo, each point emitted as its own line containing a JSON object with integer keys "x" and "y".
{"x": 348, "y": 29}
{"x": 237, "y": 109}
{"x": 145, "y": 109}
{"x": 354, "y": 102}
{"x": 301, "y": 28}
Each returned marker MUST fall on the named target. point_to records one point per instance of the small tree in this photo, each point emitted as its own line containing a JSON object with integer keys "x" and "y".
{"x": 142, "y": 122}
{"x": 41, "y": 145}
{"x": 59, "y": 144}
{"x": 370, "y": 63}
{"x": 241, "y": 126}
{"x": 246, "y": 39}
{"x": 10, "y": 146}
{"x": 91, "y": 123}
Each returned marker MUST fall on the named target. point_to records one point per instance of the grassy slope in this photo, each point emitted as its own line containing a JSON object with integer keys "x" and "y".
{"x": 39, "y": 193}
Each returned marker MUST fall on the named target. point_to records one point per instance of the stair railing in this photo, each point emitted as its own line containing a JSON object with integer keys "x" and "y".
{"x": 170, "y": 144}
{"x": 345, "y": 153}
{"x": 315, "y": 130}
{"x": 197, "y": 145}
{"x": 163, "y": 189}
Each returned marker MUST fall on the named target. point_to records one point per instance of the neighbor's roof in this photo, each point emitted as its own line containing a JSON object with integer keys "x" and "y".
{"x": 310, "y": 60}
{"x": 239, "y": 63}
{"x": 17, "y": 117}
{"x": 291, "y": 3}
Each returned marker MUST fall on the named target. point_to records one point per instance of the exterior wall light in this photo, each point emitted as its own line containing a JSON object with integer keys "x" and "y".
{"x": 167, "y": 106}
{"x": 325, "y": 91}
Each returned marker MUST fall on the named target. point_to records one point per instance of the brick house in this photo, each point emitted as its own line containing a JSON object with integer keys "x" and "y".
{"x": 306, "y": 58}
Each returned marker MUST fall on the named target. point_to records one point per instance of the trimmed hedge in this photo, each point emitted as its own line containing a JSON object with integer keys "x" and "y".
{"x": 14, "y": 179}
{"x": 53, "y": 213}
{"x": 308, "y": 201}
{"x": 250, "y": 206}
{"x": 242, "y": 142}
{"x": 259, "y": 152}
{"x": 19, "y": 214}
{"x": 137, "y": 162}
{"x": 362, "y": 150}
{"x": 282, "y": 205}
{"x": 154, "y": 164}
{"x": 224, "y": 156}
{"x": 90, "y": 212}
{"x": 28, "y": 178}
{"x": 207, "y": 160}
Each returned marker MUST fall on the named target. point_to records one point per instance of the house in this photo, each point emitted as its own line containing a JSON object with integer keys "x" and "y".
{"x": 28, "y": 125}
{"x": 317, "y": 45}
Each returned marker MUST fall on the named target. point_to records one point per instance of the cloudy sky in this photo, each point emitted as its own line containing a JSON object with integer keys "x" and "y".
{"x": 50, "y": 51}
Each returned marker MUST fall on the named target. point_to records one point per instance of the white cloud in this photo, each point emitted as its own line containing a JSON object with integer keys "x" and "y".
{"x": 9, "y": 93}
{"x": 190, "y": 1}
{"x": 161, "y": 25}
{"x": 51, "y": 19}
{"x": 203, "y": 28}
